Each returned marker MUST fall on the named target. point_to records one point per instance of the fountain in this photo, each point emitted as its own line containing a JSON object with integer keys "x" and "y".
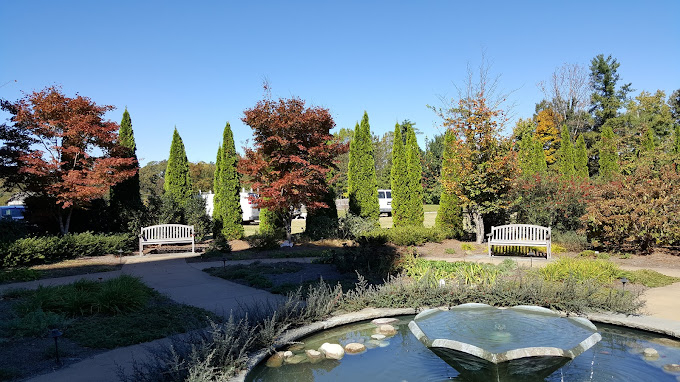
{"x": 521, "y": 343}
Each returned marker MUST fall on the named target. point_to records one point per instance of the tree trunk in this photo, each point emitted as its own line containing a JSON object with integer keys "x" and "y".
{"x": 478, "y": 220}
{"x": 288, "y": 223}
{"x": 64, "y": 225}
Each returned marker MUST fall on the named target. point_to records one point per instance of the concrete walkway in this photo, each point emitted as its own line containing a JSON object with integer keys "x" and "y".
{"x": 187, "y": 283}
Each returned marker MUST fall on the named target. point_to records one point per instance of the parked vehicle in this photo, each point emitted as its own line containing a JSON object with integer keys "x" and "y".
{"x": 250, "y": 211}
{"x": 385, "y": 201}
{"x": 12, "y": 212}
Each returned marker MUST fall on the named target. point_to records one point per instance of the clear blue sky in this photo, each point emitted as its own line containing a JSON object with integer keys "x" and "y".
{"x": 197, "y": 65}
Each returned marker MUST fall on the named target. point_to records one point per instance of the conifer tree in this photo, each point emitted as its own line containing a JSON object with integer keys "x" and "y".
{"x": 399, "y": 179}
{"x": 271, "y": 223}
{"x": 450, "y": 214}
{"x": 414, "y": 173}
{"x": 125, "y": 196}
{"x": 676, "y": 139}
{"x": 177, "y": 181}
{"x": 217, "y": 213}
{"x": 609, "y": 165}
{"x": 566, "y": 156}
{"x": 362, "y": 182}
{"x": 539, "y": 165}
{"x": 647, "y": 144}
{"x": 227, "y": 189}
{"x": 526, "y": 154}
{"x": 581, "y": 158}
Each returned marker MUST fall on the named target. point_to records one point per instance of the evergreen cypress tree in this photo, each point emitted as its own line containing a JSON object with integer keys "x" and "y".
{"x": 647, "y": 144}
{"x": 323, "y": 222}
{"x": 227, "y": 189}
{"x": 362, "y": 182}
{"x": 177, "y": 181}
{"x": 271, "y": 223}
{"x": 399, "y": 179}
{"x": 609, "y": 164}
{"x": 581, "y": 158}
{"x": 566, "y": 155}
{"x": 526, "y": 155}
{"x": 450, "y": 214}
{"x": 539, "y": 165}
{"x": 676, "y": 139}
{"x": 126, "y": 199}
{"x": 414, "y": 172}
{"x": 218, "y": 212}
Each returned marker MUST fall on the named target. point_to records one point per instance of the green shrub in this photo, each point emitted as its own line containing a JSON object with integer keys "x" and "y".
{"x": 450, "y": 251}
{"x": 467, "y": 247}
{"x": 41, "y": 249}
{"x": 601, "y": 271}
{"x": 266, "y": 240}
{"x": 19, "y": 274}
{"x": 570, "y": 240}
{"x": 84, "y": 297}
{"x": 352, "y": 226}
{"x": 413, "y": 235}
{"x": 35, "y": 323}
{"x": 649, "y": 278}
{"x": 588, "y": 253}
{"x": 323, "y": 227}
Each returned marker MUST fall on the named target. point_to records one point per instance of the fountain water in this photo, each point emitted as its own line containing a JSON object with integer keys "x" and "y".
{"x": 522, "y": 343}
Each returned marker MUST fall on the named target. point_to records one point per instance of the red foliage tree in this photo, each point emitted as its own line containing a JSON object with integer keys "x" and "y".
{"x": 292, "y": 155}
{"x": 69, "y": 158}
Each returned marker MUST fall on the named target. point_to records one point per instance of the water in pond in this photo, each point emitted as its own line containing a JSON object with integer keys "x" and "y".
{"x": 402, "y": 358}
{"x": 499, "y": 330}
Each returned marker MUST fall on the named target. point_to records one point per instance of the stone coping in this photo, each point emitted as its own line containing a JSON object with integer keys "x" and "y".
{"x": 646, "y": 323}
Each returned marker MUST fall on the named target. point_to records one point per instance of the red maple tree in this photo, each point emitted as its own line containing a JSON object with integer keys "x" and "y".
{"x": 70, "y": 156}
{"x": 292, "y": 155}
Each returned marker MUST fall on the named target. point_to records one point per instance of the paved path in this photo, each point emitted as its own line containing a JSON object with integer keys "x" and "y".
{"x": 185, "y": 282}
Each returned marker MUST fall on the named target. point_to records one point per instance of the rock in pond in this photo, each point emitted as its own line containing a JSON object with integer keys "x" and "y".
{"x": 296, "y": 347}
{"x": 297, "y": 358}
{"x": 354, "y": 348}
{"x": 384, "y": 321}
{"x": 650, "y": 354}
{"x": 313, "y": 354}
{"x": 332, "y": 351}
{"x": 669, "y": 342}
{"x": 672, "y": 368}
{"x": 287, "y": 354}
{"x": 378, "y": 337}
{"x": 387, "y": 330}
{"x": 276, "y": 360}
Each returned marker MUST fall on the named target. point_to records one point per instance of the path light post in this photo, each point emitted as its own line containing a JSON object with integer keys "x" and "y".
{"x": 623, "y": 283}
{"x": 56, "y": 333}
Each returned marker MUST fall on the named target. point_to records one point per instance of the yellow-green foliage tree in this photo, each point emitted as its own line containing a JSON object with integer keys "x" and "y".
{"x": 548, "y": 133}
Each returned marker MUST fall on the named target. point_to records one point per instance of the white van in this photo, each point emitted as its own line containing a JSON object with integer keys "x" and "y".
{"x": 250, "y": 212}
{"x": 385, "y": 201}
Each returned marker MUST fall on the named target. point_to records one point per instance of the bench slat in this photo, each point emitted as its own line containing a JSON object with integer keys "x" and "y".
{"x": 165, "y": 234}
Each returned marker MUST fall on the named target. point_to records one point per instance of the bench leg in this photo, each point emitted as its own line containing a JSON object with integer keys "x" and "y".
{"x": 489, "y": 249}
{"x": 141, "y": 253}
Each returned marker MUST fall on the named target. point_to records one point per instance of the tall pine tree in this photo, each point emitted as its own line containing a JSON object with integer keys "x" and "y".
{"x": 609, "y": 164}
{"x": 676, "y": 139}
{"x": 126, "y": 200}
{"x": 399, "y": 179}
{"x": 361, "y": 178}
{"x": 581, "y": 158}
{"x": 177, "y": 181}
{"x": 414, "y": 171}
{"x": 227, "y": 213}
{"x": 566, "y": 155}
{"x": 450, "y": 214}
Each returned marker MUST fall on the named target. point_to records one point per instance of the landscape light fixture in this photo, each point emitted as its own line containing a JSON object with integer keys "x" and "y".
{"x": 56, "y": 333}
{"x": 623, "y": 282}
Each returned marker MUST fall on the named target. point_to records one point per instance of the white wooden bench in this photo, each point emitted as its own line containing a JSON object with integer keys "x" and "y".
{"x": 526, "y": 235}
{"x": 166, "y": 234}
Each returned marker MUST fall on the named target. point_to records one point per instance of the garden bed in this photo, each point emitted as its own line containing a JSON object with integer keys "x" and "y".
{"x": 93, "y": 316}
